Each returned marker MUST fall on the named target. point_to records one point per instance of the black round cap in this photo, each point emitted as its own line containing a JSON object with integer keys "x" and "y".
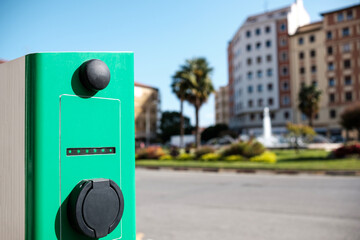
{"x": 94, "y": 74}
{"x": 95, "y": 207}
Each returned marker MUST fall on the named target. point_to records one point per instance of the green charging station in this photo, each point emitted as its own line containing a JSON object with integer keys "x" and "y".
{"x": 67, "y": 147}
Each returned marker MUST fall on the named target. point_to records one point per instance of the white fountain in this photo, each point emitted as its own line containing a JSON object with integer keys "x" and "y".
{"x": 267, "y": 139}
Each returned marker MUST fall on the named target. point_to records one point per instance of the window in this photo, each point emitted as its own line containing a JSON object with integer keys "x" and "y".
{"x": 285, "y": 86}
{"x": 330, "y": 50}
{"x": 329, "y": 35}
{"x": 257, "y": 31}
{"x": 349, "y": 15}
{"x": 249, "y": 61}
{"x": 258, "y": 59}
{"x": 346, "y": 47}
{"x": 267, "y": 29}
{"x": 331, "y": 66}
{"x": 348, "y": 80}
{"x": 303, "y": 117}
{"x": 248, "y": 47}
{"x": 272, "y": 115}
{"x": 268, "y": 43}
{"x": 260, "y": 102}
{"x": 282, "y": 27}
{"x": 270, "y": 87}
{"x": 269, "y": 72}
{"x": 314, "y": 83}
{"x": 283, "y": 41}
{"x": 286, "y": 115}
{"x": 348, "y": 96}
{"x": 301, "y": 41}
{"x": 332, "y": 113}
{"x": 268, "y": 58}
{"x": 340, "y": 17}
{"x": 302, "y": 70}
{"x": 259, "y": 88}
{"x": 331, "y": 82}
{"x": 301, "y": 55}
{"x": 284, "y": 56}
{"x": 249, "y": 75}
{"x": 252, "y": 116}
{"x": 312, "y": 38}
{"x": 258, "y": 45}
{"x": 250, "y": 103}
{"x": 284, "y": 71}
{"x": 248, "y": 34}
{"x": 259, "y": 74}
{"x": 345, "y": 32}
{"x": 250, "y": 89}
{"x": 312, "y": 53}
{"x": 270, "y": 101}
{"x": 347, "y": 63}
{"x": 313, "y": 69}
{"x": 332, "y": 97}
{"x": 285, "y": 100}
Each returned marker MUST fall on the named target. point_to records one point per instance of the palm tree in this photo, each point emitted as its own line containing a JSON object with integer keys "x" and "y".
{"x": 309, "y": 98}
{"x": 180, "y": 86}
{"x": 197, "y": 72}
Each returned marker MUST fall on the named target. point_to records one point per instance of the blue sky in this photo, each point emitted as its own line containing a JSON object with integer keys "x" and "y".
{"x": 162, "y": 34}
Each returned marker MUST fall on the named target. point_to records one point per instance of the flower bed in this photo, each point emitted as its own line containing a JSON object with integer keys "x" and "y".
{"x": 347, "y": 150}
{"x": 243, "y": 151}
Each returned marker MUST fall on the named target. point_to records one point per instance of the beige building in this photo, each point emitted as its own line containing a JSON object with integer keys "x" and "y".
{"x": 307, "y": 56}
{"x": 222, "y": 105}
{"x": 147, "y": 112}
{"x": 327, "y": 54}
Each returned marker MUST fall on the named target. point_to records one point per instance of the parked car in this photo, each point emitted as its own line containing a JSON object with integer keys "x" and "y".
{"x": 337, "y": 139}
{"x": 221, "y": 141}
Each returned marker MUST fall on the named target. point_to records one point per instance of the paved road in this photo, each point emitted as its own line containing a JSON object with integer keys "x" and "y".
{"x": 175, "y": 205}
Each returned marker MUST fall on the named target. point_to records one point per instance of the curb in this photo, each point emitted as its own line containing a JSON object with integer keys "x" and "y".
{"x": 257, "y": 171}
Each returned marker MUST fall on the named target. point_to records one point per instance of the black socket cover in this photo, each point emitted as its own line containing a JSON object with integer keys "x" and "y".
{"x": 95, "y": 207}
{"x": 94, "y": 74}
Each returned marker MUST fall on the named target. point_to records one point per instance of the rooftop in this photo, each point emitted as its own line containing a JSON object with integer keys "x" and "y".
{"x": 340, "y": 9}
{"x": 269, "y": 14}
{"x": 309, "y": 27}
{"x": 137, "y": 84}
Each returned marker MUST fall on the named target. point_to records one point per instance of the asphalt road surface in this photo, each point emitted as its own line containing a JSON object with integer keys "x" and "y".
{"x": 173, "y": 205}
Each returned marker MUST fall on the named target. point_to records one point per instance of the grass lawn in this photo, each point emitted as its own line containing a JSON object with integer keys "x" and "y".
{"x": 286, "y": 160}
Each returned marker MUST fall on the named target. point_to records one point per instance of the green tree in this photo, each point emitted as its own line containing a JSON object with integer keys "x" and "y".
{"x": 170, "y": 125}
{"x": 181, "y": 86}
{"x": 197, "y": 71}
{"x": 350, "y": 118}
{"x": 309, "y": 98}
{"x": 218, "y": 130}
{"x": 298, "y": 130}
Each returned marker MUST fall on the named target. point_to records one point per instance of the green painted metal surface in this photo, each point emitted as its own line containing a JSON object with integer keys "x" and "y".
{"x": 61, "y": 114}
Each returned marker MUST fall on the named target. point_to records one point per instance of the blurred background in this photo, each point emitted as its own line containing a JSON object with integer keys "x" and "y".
{"x": 257, "y": 103}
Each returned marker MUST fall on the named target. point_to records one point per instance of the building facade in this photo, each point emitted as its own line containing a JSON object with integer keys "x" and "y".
{"x": 259, "y": 69}
{"x": 342, "y": 42}
{"x": 222, "y": 105}
{"x": 147, "y": 112}
{"x": 327, "y": 54}
{"x": 308, "y": 67}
